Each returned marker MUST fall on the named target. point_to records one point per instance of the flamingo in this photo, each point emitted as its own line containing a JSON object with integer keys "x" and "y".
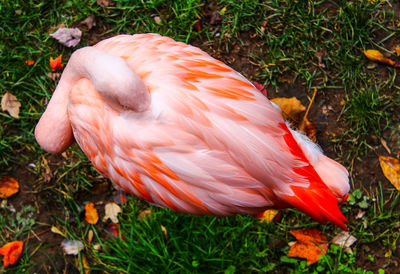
{"x": 169, "y": 124}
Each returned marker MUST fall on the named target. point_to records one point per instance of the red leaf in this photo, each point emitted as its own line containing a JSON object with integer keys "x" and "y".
{"x": 11, "y": 252}
{"x": 30, "y": 62}
{"x": 55, "y": 64}
{"x": 197, "y": 26}
{"x": 260, "y": 88}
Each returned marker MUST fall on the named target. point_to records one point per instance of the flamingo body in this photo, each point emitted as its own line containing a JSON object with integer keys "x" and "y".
{"x": 197, "y": 138}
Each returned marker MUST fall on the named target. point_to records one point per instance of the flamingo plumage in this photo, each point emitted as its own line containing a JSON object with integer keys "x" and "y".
{"x": 172, "y": 125}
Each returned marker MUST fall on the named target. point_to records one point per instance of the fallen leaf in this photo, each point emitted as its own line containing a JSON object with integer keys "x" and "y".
{"x": 54, "y": 75}
{"x": 85, "y": 265}
{"x": 310, "y": 245}
{"x": 306, "y": 126}
{"x": 269, "y": 216}
{"x": 320, "y": 56}
{"x": 11, "y": 252}
{"x": 164, "y": 231}
{"x": 112, "y": 210}
{"x": 55, "y": 230}
{"x": 197, "y": 26}
{"x": 90, "y": 22}
{"x": 8, "y": 187}
{"x": 104, "y": 3}
{"x": 69, "y": 37}
{"x": 391, "y": 169}
{"x": 396, "y": 49}
{"x": 30, "y": 62}
{"x": 309, "y": 129}
{"x": 344, "y": 239}
{"x": 145, "y": 214}
{"x": 376, "y": 55}
{"x": 261, "y": 88}
{"x": 157, "y": 19}
{"x": 91, "y": 215}
{"x": 291, "y": 107}
{"x": 113, "y": 228}
{"x": 90, "y": 236}
{"x": 72, "y": 247}
{"x": 384, "y": 144}
{"x": 56, "y": 64}
{"x": 10, "y": 104}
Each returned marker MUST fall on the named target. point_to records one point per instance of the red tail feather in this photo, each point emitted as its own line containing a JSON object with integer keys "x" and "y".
{"x": 317, "y": 200}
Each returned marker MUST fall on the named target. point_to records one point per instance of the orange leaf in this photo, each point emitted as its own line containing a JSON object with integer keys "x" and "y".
{"x": 91, "y": 215}
{"x": 291, "y": 107}
{"x": 375, "y": 55}
{"x": 11, "y": 252}
{"x": 391, "y": 169}
{"x": 8, "y": 186}
{"x": 55, "y": 64}
{"x": 310, "y": 245}
{"x": 30, "y": 62}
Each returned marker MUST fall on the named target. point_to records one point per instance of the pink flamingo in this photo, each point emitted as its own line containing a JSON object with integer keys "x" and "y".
{"x": 172, "y": 125}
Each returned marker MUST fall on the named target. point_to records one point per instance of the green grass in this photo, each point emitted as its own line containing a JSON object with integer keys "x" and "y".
{"x": 289, "y": 34}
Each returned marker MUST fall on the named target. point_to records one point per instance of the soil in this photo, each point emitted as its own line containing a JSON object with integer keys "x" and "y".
{"x": 325, "y": 113}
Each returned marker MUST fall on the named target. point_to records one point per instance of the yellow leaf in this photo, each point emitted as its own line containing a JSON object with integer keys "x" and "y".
{"x": 10, "y": 104}
{"x": 391, "y": 169}
{"x": 8, "y": 186}
{"x": 91, "y": 215}
{"x": 291, "y": 107}
{"x": 376, "y": 55}
{"x": 270, "y": 215}
{"x": 373, "y": 54}
{"x": 397, "y": 50}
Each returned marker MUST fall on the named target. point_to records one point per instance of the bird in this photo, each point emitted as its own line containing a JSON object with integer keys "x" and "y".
{"x": 168, "y": 123}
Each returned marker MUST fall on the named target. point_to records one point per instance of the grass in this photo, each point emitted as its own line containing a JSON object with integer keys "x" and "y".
{"x": 289, "y": 35}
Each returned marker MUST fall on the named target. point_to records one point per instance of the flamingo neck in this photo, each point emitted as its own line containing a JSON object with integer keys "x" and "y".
{"x": 111, "y": 77}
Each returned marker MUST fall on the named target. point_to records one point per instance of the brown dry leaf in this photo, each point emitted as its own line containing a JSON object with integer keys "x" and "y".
{"x": 291, "y": 107}
{"x": 54, "y": 75}
{"x": 10, "y": 104}
{"x": 104, "y": 3}
{"x": 309, "y": 129}
{"x": 345, "y": 240}
{"x": 310, "y": 245}
{"x": 376, "y": 55}
{"x": 8, "y": 187}
{"x": 91, "y": 215}
{"x": 47, "y": 171}
{"x": 90, "y": 22}
{"x": 320, "y": 56}
{"x": 391, "y": 169}
{"x": 144, "y": 214}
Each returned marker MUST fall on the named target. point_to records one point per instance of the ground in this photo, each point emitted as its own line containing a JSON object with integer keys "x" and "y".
{"x": 292, "y": 48}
